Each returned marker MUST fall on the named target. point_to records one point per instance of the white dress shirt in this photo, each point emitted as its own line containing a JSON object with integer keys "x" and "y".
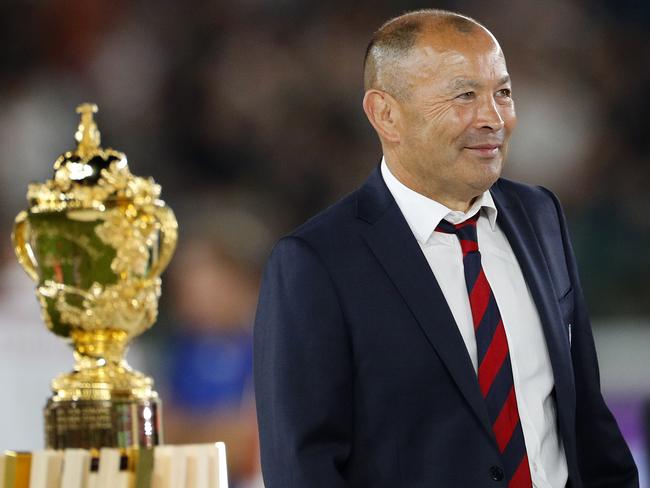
{"x": 531, "y": 365}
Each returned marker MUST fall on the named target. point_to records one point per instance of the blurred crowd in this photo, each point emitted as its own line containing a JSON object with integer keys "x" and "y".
{"x": 248, "y": 113}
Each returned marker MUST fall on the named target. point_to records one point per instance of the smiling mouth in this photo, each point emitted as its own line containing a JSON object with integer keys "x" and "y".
{"x": 485, "y": 150}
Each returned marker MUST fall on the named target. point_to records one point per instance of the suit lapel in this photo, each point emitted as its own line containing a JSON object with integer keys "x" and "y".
{"x": 395, "y": 247}
{"x": 517, "y": 227}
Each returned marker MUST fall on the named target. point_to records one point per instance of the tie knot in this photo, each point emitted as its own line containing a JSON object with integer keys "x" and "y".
{"x": 466, "y": 232}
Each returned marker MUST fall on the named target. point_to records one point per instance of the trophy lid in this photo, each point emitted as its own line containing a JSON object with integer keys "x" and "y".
{"x": 90, "y": 176}
{"x": 84, "y": 165}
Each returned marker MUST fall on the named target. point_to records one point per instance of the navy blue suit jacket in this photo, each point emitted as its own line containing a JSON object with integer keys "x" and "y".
{"x": 362, "y": 378}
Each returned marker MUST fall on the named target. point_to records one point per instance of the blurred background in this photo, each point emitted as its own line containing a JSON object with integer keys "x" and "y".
{"x": 248, "y": 113}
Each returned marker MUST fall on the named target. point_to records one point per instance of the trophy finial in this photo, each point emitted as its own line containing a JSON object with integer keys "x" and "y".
{"x": 87, "y": 136}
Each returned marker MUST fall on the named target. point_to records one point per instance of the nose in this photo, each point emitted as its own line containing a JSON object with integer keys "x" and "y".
{"x": 488, "y": 115}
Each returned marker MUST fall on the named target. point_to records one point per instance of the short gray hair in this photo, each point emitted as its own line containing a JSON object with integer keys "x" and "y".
{"x": 394, "y": 40}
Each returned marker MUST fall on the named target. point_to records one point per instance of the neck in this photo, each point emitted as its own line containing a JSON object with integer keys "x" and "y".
{"x": 429, "y": 189}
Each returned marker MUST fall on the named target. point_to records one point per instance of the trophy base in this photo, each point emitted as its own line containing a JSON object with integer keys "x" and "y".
{"x": 93, "y": 424}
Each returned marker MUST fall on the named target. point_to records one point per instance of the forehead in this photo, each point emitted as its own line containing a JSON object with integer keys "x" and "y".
{"x": 446, "y": 58}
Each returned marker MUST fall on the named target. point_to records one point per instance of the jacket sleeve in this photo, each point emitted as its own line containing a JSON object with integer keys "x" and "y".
{"x": 604, "y": 458}
{"x": 303, "y": 372}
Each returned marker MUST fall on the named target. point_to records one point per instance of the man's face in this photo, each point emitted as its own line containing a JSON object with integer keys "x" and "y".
{"x": 458, "y": 115}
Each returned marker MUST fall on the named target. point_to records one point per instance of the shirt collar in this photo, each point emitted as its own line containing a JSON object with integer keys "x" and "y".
{"x": 424, "y": 214}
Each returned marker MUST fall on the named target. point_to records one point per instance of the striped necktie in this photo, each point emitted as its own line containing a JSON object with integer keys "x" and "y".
{"x": 494, "y": 367}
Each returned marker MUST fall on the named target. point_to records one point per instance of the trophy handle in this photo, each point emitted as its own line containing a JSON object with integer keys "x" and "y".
{"x": 24, "y": 251}
{"x": 168, "y": 238}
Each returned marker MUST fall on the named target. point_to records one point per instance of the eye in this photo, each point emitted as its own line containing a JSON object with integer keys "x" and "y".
{"x": 466, "y": 96}
{"x": 504, "y": 92}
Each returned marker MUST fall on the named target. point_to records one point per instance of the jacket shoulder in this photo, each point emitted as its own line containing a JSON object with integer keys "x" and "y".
{"x": 525, "y": 192}
{"x": 333, "y": 221}
{"x": 536, "y": 200}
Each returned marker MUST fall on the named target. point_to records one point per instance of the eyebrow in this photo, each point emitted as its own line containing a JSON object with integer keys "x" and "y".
{"x": 461, "y": 83}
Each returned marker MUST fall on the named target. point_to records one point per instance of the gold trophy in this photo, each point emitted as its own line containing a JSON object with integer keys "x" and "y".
{"x": 95, "y": 240}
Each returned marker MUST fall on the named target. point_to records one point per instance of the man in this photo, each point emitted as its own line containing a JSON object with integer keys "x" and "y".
{"x": 429, "y": 330}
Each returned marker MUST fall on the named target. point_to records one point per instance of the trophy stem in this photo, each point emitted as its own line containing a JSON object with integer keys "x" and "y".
{"x": 98, "y": 347}
{"x": 103, "y": 402}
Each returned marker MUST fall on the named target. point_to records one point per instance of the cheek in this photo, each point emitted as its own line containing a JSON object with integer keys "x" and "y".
{"x": 465, "y": 116}
{"x": 457, "y": 122}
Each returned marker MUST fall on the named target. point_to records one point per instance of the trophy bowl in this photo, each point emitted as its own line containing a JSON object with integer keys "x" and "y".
{"x": 95, "y": 239}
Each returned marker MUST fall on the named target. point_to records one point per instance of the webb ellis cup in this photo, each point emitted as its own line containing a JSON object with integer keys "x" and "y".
{"x": 95, "y": 239}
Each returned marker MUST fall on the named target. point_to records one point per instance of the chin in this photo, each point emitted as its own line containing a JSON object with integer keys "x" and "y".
{"x": 485, "y": 181}
{"x": 493, "y": 170}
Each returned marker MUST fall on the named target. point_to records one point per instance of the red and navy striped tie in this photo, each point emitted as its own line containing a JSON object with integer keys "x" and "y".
{"x": 494, "y": 368}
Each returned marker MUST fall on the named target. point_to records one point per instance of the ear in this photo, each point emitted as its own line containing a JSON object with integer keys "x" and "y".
{"x": 383, "y": 113}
